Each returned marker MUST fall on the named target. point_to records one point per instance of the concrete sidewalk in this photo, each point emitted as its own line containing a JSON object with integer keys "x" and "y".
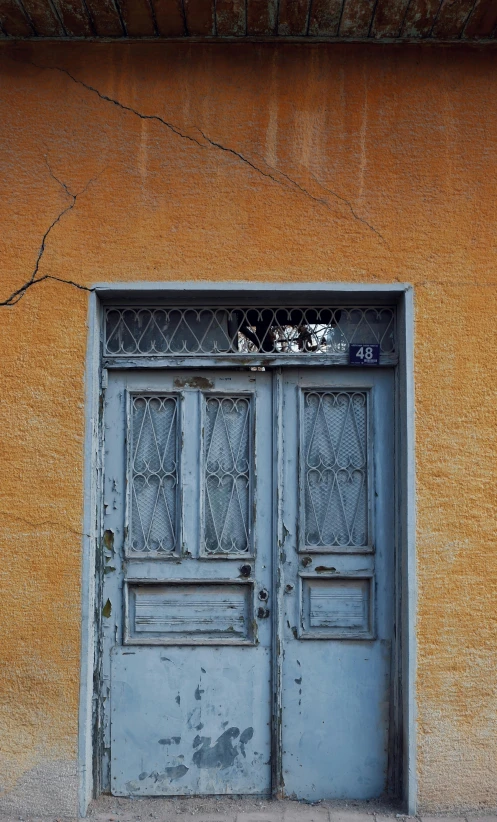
{"x": 231, "y": 809}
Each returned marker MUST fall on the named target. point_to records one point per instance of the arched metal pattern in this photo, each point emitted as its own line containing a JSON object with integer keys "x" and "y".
{"x": 153, "y": 476}
{"x": 248, "y": 333}
{"x": 227, "y": 474}
{"x": 334, "y": 470}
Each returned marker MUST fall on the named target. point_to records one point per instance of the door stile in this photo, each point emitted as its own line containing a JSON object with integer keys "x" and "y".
{"x": 112, "y": 559}
{"x": 395, "y": 742}
{"x": 278, "y": 548}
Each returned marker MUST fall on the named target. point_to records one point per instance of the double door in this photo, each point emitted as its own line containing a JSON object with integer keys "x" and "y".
{"x": 248, "y": 582}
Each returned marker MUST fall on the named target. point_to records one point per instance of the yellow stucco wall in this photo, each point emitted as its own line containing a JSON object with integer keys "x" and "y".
{"x": 372, "y": 164}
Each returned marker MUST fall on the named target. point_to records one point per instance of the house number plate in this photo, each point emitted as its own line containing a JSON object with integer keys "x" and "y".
{"x": 364, "y": 354}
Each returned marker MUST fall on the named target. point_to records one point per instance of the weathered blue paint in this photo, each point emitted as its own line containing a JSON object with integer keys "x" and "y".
{"x": 189, "y": 720}
{"x": 188, "y": 635}
{"x": 336, "y": 660}
{"x": 187, "y": 656}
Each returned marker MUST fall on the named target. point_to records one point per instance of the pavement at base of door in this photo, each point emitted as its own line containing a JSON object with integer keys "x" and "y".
{"x": 231, "y": 809}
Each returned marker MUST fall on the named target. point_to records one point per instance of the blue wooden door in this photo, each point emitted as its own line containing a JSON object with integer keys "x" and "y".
{"x": 187, "y": 582}
{"x": 337, "y": 571}
{"x": 248, "y": 611}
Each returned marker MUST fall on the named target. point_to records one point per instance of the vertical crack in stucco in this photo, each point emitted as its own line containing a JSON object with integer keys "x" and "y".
{"x": 19, "y": 293}
{"x": 272, "y": 174}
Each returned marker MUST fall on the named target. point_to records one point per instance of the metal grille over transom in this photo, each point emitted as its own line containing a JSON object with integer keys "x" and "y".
{"x": 249, "y": 331}
{"x": 154, "y": 475}
{"x": 335, "y": 482}
{"x": 227, "y": 475}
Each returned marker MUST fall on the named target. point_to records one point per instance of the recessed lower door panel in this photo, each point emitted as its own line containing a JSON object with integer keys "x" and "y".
{"x": 189, "y": 720}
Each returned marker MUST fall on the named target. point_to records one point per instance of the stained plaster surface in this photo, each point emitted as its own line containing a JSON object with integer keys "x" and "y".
{"x": 278, "y": 164}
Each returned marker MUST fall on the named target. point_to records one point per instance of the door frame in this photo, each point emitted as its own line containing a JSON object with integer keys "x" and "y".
{"x": 403, "y": 690}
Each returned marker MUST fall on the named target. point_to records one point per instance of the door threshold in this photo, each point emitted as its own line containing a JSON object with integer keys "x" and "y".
{"x": 254, "y": 808}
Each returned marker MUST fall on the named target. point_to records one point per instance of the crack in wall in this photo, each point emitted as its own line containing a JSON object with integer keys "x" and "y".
{"x": 117, "y": 103}
{"x": 14, "y": 298}
{"x": 350, "y": 207}
{"x": 241, "y": 157}
{"x": 290, "y": 183}
{"x": 47, "y": 522}
{"x": 19, "y": 293}
{"x": 214, "y": 144}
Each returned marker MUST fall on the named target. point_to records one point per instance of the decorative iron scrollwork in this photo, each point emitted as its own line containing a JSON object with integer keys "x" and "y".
{"x": 249, "y": 330}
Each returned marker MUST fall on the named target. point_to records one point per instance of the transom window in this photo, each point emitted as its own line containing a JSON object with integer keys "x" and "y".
{"x": 248, "y": 331}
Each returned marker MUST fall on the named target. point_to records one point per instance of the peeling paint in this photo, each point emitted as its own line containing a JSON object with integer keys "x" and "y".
{"x": 223, "y": 752}
{"x": 195, "y": 382}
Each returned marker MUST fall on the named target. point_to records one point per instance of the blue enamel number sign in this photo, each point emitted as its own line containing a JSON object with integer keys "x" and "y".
{"x": 364, "y": 354}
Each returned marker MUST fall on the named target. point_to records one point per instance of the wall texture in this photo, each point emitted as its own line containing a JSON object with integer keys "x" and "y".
{"x": 253, "y": 162}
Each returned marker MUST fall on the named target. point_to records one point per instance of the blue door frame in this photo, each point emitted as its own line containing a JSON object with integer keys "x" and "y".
{"x": 90, "y": 744}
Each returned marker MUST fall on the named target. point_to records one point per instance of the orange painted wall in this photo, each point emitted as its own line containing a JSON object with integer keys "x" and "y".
{"x": 249, "y": 162}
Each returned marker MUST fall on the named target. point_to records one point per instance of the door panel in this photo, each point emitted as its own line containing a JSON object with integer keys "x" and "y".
{"x": 188, "y": 479}
{"x": 337, "y": 582}
{"x": 191, "y": 720}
